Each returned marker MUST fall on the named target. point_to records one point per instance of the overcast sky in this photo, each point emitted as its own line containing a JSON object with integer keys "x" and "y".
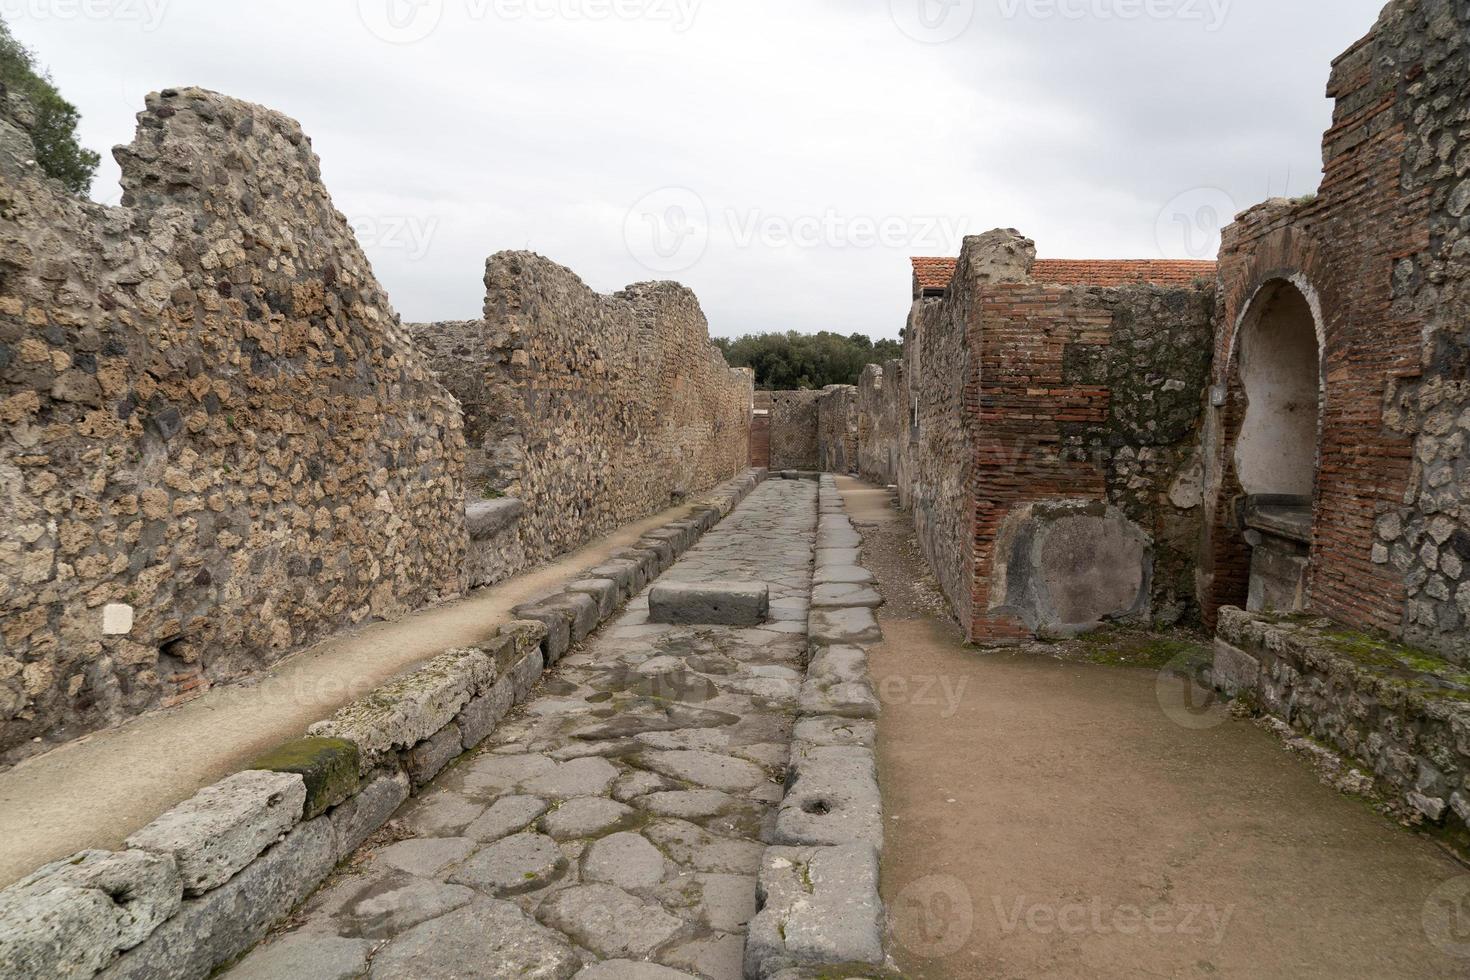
{"x": 781, "y": 157}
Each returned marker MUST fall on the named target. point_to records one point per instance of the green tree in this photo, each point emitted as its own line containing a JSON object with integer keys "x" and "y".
{"x": 55, "y": 132}
{"x": 783, "y": 361}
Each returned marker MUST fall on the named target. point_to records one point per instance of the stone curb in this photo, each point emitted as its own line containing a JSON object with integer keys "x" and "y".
{"x": 820, "y": 906}
{"x": 207, "y": 880}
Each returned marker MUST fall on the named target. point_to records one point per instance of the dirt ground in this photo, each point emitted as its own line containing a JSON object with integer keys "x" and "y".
{"x": 1051, "y": 817}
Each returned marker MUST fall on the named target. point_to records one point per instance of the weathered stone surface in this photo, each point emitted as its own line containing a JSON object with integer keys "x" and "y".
{"x": 360, "y": 817}
{"x": 820, "y": 906}
{"x": 383, "y": 904}
{"x": 71, "y": 917}
{"x": 305, "y": 955}
{"x": 427, "y": 759}
{"x": 709, "y": 603}
{"x": 837, "y": 684}
{"x": 223, "y": 827}
{"x": 415, "y": 708}
{"x": 721, "y": 772}
{"x": 225, "y": 922}
{"x": 689, "y": 804}
{"x": 847, "y": 625}
{"x": 586, "y": 816}
{"x": 480, "y": 716}
{"x": 508, "y": 815}
{"x": 609, "y": 921}
{"x": 328, "y": 766}
{"x": 831, "y": 730}
{"x": 626, "y": 860}
{"x": 1235, "y": 671}
{"x": 630, "y": 970}
{"x": 513, "y": 865}
{"x": 604, "y": 592}
{"x": 487, "y": 518}
{"x": 838, "y": 595}
{"x": 843, "y": 575}
{"x": 483, "y": 939}
{"x": 833, "y": 798}
{"x": 701, "y": 850}
{"x": 727, "y": 902}
{"x": 579, "y": 777}
{"x": 425, "y": 856}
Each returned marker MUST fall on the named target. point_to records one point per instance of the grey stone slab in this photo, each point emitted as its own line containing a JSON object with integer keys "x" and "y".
{"x": 426, "y": 856}
{"x": 1235, "y": 671}
{"x": 820, "y": 907}
{"x": 717, "y": 956}
{"x": 843, "y": 575}
{"x": 630, "y": 970}
{"x": 626, "y": 575}
{"x": 482, "y": 714}
{"x": 727, "y": 902}
{"x": 839, "y": 538}
{"x": 498, "y": 773}
{"x": 609, "y": 921}
{"x": 506, "y": 816}
{"x": 837, "y": 684}
{"x": 833, "y": 798}
{"x": 579, "y": 777}
{"x": 441, "y": 813}
{"x": 558, "y": 624}
{"x": 359, "y": 818}
{"x": 382, "y": 904}
{"x": 833, "y": 730}
{"x": 838, "y": 556}
{"x": 701, "y": 850}
{"x": 846, "y": 626}
{"x": 708, "y": 769}
{"x": 513, "y": 866}
{"x": 486, "y": 518}
{"x": 305, "y": 955}
{"x": 227, "y": 921}
{"x": 689, "y": 804}
{"x": 839, "y": 594}
{"x": 483, "y": 939}
{"x": 427, "y": 759}
{"x": 586, "y": 816}
{"x": 604, "y": 592}
{"x": 626, "y": 860}
{"x": 583, "y": 610}
{"x": 710, "y": 603}
{"x": 224, "y": 827}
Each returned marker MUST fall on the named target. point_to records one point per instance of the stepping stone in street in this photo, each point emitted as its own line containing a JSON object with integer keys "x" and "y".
{"x": 586, "y": 816}
{"x": 609, "y": 921}
{"x": 513, "y": 866}
{"x": 720, "y": 772}
{"x": 484, "y": 939}
{"x": 509, "y": 815}
{"x": 626, "y": 860}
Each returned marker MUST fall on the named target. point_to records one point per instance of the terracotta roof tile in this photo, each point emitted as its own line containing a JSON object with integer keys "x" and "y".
{"x": 932, "y": 273}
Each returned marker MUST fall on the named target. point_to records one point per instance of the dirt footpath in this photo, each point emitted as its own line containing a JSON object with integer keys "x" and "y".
{"x": 1050, "y": 818}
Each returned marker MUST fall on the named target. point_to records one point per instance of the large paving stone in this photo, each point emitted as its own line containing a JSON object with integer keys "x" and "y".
{"x": 483, "y": 939}
{"x": 361, "y": 816}
{"x": 819, "y": 907}
{"x": 721, "y": 772}
{"x": 441, "y": 814}
{"x": 833, "y": 798}
{"x": 843, "y": 575}
{"x": 227, "y": 921}
{"x": 586, "y": 816}
{"x": 832, "y": 730}
{"x": 425, "y": 856}
{"x": 513, "y": 866}
{"x": 701, "y": 850}
{"x": 383, "y": 904}
{"x": 629, "y": 970}
{"x": 741, "y": 604}
{"x": 427, "y": 759}
{"x": 689, "y": 804}
{"x": 837, "y": 684}
{"x": 609, "y": 921}
{"x": 508, "y": 815}
{"x": 579, "y": 777}
{"x": 498, "y": 773}
{"x": 848, "y": 625}
{"x": 224, "y": 827}
{"x": 727, "y": 902}
{"x": 836, "y": 595}
{"x": 626, "y": 860}
{"x": 305, "y": 955}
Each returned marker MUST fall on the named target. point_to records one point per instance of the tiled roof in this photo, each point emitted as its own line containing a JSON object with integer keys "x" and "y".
{"x": 936, "y": 273}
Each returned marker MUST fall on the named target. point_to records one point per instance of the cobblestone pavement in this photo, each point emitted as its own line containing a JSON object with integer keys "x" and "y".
{"x": 611, "y": 828}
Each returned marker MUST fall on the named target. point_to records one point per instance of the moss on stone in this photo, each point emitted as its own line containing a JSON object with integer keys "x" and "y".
{"x": 1417, "y": 670}
{"x": 328, "y": 765}
{"x": 1153, "y": 651}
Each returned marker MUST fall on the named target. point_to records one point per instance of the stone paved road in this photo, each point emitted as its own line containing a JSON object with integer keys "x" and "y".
{"x": 615, "y": 819}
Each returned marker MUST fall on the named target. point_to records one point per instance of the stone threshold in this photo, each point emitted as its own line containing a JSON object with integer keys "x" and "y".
{"x": 1400, "y": 713}
{"x": 204, "y": 882}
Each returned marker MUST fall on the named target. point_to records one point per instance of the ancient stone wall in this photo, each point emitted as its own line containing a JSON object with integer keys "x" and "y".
{"x": 794, "y": 430}
{"x": 837, "y": 429}
{"x": 218, "y": 443}
{"x": 584, "y": 412}
{"x": 884, "y": 412}
{"x": 1381, "y": 256}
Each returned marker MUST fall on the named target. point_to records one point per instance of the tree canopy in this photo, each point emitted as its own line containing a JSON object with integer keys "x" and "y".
{"x": 55, "y": 134}
{"x": 784, "y": 361}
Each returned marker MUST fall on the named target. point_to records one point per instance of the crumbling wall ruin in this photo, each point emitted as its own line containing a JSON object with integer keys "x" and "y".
{"x": 884, "y": 431}
{"x": 218, "y": 442}
{"x": 1381, "y": 256}
{"x": 837, "y": 429}
{"x": 583, "y": 412}
{"x": 795, "y": 428}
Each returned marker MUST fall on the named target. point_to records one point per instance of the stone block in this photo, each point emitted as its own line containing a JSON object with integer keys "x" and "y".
{"x": 427, "y": 759}
{"x": 557, "y": 626}
{"x": 224, "y": 827}
{"x": 1235, "y": 671}
{"x": 837, "y": 684}
{"x": 486, "y": 518}
{"x": 483, "y": 939}
{"x": 329, "y": 767}
{"x": 361, "y": 816}
{"x": 71, "y": 917}
{"x": 306, "y": 954}
{"x": 845, "y": 626}
{"x": 412, "y": 709}
{"x": 626, "y": 574}
{"x": 583, "y": 613}
{"x": 843, "y": 575}
{"x": 835, "y": 730}
{"x": 819, "y": 907}
{"x": 710, "y": 603}
{"x": 605, "y": 592}
{"x": 836, "y": 595}
{"x": 480, "y": 716}
{"x": 832, "y": 798}
{"x": 217, "y": 927}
